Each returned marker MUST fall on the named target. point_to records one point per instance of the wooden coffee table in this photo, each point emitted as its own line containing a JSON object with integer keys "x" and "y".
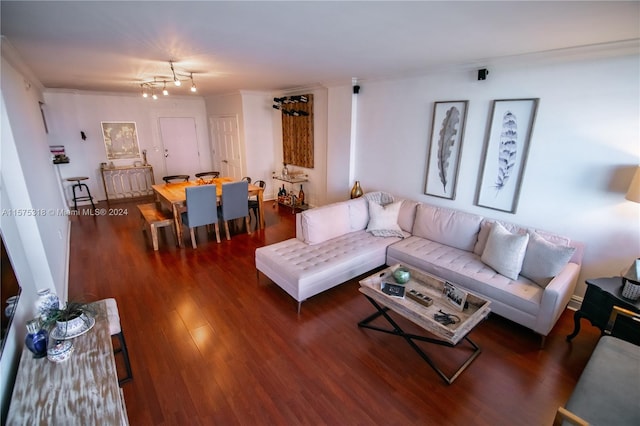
{"x": 445, "y": 335}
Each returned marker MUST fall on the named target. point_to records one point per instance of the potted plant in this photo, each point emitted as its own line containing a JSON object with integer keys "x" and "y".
{"x": 70, "y": 320}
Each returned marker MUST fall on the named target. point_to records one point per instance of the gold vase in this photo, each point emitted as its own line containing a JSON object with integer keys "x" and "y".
{"x": 356, "y": 191}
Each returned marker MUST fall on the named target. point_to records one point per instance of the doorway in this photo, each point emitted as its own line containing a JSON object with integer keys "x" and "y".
{"x": 180, "y": 143}
{"x": 226, "y": 140}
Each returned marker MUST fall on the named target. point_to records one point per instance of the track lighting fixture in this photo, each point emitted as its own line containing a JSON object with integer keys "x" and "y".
{"x": 148, "y": 87}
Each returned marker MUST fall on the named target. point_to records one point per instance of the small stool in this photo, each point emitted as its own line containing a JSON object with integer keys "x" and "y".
{"x": 116, "y": 331}
{"x": 79, "y": 185}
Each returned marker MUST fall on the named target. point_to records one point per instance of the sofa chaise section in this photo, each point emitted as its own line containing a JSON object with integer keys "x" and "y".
{"x": 331, "y": 247}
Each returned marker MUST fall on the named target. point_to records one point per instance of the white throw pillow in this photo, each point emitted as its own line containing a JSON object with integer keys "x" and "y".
{"x": 544, "y": 260}
{"x": 383, "y": 220}
{"x": 505, "y": 251}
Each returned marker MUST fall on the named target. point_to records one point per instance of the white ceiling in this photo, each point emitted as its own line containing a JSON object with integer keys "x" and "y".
{"x": 264, "y": 45}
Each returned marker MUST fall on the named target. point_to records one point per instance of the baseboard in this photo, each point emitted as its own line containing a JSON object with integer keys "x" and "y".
{"x": 575, "y": 302}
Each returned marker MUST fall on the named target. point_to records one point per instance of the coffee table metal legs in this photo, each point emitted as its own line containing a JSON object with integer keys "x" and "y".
{"x": 397, "y": 331}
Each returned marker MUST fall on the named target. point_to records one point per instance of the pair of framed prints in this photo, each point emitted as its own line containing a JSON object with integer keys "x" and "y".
{"x": 505, "y": 151}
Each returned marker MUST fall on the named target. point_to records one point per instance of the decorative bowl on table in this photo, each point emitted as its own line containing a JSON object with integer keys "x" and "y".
{"x": 60, "y": 352}
{"x": 401, "y": 275}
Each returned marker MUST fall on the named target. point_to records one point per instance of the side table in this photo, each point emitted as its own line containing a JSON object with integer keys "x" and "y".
{"x": 602, "y": 294}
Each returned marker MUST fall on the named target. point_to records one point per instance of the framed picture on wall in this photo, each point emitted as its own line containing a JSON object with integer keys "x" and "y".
{"x": 443, "y": 159}
{"x": 505, "y": 153}
{"x": 120, "y": 140}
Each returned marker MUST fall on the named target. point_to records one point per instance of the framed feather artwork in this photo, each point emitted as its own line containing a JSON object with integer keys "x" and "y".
{"x": 505, "y": 153}
{"x": 443, "y": 159}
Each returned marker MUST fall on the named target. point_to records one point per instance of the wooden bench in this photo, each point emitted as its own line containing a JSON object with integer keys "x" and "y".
{"x": 154, "y": 218}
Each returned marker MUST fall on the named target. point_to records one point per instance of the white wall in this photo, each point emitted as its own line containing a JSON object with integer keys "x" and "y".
{"x": 35, "y": 232}
{"x": 339, "y": 142}
{"x": 583, "y": 151}
{"x": 69, "y": 112}
{"x": 258, "y": 138}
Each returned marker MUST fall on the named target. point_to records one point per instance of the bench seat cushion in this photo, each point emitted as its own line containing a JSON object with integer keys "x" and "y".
{"x": 607, "y": 391}
{"x": 304, "y": 270}
{"x": 466, "y": 269}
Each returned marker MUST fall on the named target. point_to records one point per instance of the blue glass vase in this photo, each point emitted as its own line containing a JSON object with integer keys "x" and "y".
{"x": 36, "y": 339}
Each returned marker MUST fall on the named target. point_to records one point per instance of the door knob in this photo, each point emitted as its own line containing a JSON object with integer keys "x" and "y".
{"x": 225, "y": 161}
{"x": 166, "y": 153}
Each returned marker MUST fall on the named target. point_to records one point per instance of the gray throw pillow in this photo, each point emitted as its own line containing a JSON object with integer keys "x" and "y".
{"x": 544, "y": 260}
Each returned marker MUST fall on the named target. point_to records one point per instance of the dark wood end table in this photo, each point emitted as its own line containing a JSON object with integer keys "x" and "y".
{"x": 602, "y": 294}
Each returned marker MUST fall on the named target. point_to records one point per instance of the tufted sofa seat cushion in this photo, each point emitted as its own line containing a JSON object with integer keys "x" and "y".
{"x": 466, "y": 268}
{"x": 304, "y": 270}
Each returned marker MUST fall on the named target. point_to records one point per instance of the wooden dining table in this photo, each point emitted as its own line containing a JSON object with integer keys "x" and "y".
{"x": 173, "y": 196}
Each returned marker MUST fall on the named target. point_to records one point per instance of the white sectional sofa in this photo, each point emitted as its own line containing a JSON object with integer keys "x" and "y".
{"x": 333, "y": 245}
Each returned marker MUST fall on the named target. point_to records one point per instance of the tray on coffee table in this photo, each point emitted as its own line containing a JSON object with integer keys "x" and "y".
{"x": 478, "y": 308}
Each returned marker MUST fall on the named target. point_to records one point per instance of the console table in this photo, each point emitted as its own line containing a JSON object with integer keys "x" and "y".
{"x": 602, "y": 294}
{"x": 82, "y": 390}
{"x": 127, "y": 182}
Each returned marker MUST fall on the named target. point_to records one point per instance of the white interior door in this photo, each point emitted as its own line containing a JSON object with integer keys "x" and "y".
{"x": 226, "y": 139}
{"x": 180, "y": 143}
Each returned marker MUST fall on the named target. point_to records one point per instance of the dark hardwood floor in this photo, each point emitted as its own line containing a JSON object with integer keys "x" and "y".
{"x": 210, "y": 344}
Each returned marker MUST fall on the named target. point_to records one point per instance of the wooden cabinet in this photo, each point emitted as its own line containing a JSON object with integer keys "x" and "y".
{"x": 127, "y": 182}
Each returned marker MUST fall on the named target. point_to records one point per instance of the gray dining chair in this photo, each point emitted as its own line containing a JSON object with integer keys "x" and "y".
{"x": 201, "y": 209}
{"x": 234, "y": 204}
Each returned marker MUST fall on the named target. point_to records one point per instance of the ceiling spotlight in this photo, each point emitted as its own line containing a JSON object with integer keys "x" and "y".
{"x": 164, "y": 89}
{"x": 153, "y": 94}
{"x": 144, "y": 91}
{"x": 175, "y": 78}
{"x": 193, "y": 85}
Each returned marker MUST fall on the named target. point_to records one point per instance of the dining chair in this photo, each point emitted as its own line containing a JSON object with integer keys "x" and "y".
{"x": 208, "y": 174}
{"x": 234, "y": 204}
{"x": 176, "y": 178}
{"x": 201, "y": 209}
{"x": 254, "y": 203}
{"x": 246, "y": 178}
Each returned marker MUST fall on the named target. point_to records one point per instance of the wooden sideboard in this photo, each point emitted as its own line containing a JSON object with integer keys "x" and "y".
{"x": 82, "y": 390}
{"x": 127, "y": 182}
